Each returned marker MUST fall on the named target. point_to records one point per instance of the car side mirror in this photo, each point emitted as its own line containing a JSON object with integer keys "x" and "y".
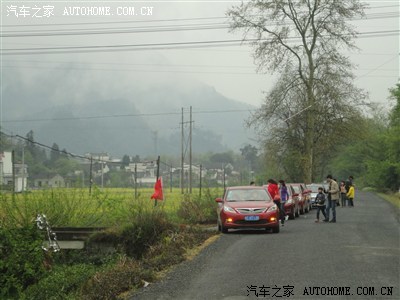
{"x": 219, "y": 200}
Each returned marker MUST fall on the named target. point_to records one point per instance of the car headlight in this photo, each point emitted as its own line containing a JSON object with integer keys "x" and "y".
{"x": 272, "y": 208}
{"x": 228, "y": 209}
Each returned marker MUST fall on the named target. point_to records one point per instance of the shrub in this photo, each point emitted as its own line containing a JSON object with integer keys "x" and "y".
{"x": 199, "y": 210}
{"x": 21, "y": 259}
{"x": 108, "y": 284}
{"x": 62, "y": 282}
{"x": 146, "y": 228}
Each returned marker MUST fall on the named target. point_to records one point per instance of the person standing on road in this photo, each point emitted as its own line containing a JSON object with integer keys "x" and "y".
{"x": 343, "y": 193}
{"x": 333, "y": 197}
{"x": 349, "y": 182}
{"x": 273, "y": 188}
{"x": 283, "y": 192}
{"x": 350, "y": 195}
{"x": 320, "y": 201}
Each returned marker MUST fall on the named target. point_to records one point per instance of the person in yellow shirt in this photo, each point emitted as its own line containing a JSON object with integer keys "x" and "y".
{"x": 350, "y": 195}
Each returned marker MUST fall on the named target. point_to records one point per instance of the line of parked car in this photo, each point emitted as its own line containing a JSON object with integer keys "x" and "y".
{"x": 245, "y": 207}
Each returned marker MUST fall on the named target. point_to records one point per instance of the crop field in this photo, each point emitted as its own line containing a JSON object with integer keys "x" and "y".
{"x": 99, "y": 208}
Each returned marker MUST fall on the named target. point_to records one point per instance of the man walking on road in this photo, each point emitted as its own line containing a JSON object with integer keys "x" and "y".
{"x": 333, "y": 197}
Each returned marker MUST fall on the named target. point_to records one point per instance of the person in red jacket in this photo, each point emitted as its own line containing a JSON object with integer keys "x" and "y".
{"x": 273, "y": 188}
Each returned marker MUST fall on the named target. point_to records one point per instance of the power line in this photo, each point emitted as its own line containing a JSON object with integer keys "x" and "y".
{"x": 137, "y": 70}
{"x": 147, "y": 29}
{"x": 124, "y": 115}
{"x": 159, "y": 46}
{"x": 381, "y": 15}
{"x": 76, "y": 155}
{"x": 102, "y": 31}
{"x": 51, "y": 148}
{"x": 117, "y": 22}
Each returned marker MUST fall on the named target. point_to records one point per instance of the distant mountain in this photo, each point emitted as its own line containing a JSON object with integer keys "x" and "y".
{"x": 87, "y": 116}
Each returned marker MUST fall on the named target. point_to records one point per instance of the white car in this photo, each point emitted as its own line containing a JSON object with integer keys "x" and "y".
{"x": 314, "y": 191}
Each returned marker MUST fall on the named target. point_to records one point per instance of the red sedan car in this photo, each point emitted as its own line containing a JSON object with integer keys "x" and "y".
{"x": 247, "y": 207}
{"x": 303, "y": 195}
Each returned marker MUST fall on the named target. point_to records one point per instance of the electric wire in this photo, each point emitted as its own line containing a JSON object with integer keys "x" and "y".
{"x": 163, "y": 46}
{"x": 125, "y": 115}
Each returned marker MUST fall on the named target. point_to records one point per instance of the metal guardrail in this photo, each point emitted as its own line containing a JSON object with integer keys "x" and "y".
{"x": 64, "y": 237}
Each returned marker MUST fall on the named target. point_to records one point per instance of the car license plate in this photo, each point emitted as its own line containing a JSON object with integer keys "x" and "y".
{"x": 251, "y": 218}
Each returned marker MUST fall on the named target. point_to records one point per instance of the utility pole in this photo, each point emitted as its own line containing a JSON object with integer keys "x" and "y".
{"x": 23, "y": 169}
{"x": 190, "y": 152}
{"x": 90, "y": 175}
{"x": 102, "y": 172}
{"x": 186, "y": 177}
{"x": 223, "y": 167}
{"x": 135, "y": 180}
{"x": 13, "y": 171}
{"x": 155, "y": 136}
{"x": 158, "y": 175}
{"x": 201, "y": 171}
{"x": 182, "y": 155}
{"x": 170, "y": 178}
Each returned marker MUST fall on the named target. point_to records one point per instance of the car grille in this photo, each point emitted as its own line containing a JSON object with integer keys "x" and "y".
{"x": 251, "y": 222}
{"x": 251, "y": 210}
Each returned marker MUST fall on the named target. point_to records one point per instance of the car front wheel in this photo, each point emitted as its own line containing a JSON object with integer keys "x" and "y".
{"x": 292, "y": 215}
{"x": 275, "y": 229}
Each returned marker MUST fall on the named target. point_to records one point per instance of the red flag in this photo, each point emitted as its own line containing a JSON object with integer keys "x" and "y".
{"x": 158, "y": 190}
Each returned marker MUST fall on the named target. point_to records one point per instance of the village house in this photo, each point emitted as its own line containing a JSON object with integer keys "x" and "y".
{"x": 49, "y": 181}
{"x": 9, "y": 173}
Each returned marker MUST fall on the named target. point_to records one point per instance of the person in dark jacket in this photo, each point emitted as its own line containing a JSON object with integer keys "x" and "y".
{"x": 320, "y": 201}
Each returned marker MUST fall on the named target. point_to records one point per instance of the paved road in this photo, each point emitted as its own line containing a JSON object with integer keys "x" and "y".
{"x": 356, "y": 258}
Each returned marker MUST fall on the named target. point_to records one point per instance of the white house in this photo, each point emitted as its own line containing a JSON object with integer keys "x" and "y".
{"x": 54, "y": 181}
{"x": 6, "y": 172}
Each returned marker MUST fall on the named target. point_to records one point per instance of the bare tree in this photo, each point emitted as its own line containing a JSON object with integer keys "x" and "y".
{"x": 300, "y": 39}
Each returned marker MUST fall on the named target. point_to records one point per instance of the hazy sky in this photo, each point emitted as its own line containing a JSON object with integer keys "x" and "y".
{"x": 160, "y": 27}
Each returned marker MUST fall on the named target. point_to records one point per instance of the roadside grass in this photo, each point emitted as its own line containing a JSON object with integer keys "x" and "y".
{"x": 144, "y": 238}
{"x": 392, "y": 198}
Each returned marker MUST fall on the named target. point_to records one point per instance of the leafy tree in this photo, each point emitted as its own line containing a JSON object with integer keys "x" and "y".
{"x": 301, "y": 41}
{"x": 54, "y": 153}
{"x": 393, "y": 141}
{"x": 373, "y": 157}
{"x": 250, "y": 152}
{"x": 119, "y": 179}
{"x": 5, "y": 142}
{"x": 222, "y": 158}
{"x": 136, "y": 159}
{"x": 38, "y": 154}
{"x": 65, "y": 166}
{"x": 125, "y": 160}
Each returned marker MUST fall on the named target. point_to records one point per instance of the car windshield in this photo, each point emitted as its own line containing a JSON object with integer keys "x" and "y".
{"x": 314, "y": 187}
{"x": 296, "y": 189}
{"x": 248, "y": 195}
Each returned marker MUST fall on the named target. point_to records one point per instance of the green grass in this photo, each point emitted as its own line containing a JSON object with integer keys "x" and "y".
{"x": 392, "y": 198}
{"x": 102, "y": 208}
